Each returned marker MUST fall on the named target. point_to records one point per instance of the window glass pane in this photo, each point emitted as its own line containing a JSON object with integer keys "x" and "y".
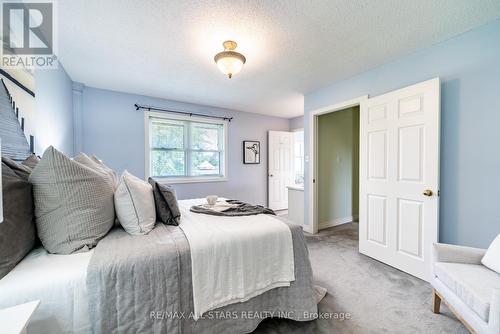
{"x": 167, "y": 163}
{"x": 167, "y": 135}
{"x": 205, "y": 136}
{"x": 182, "y": 148}
{"x": 205, "y": 163}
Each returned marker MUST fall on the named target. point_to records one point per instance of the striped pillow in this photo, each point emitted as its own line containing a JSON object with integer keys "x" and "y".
{"x": 74, "y": 205}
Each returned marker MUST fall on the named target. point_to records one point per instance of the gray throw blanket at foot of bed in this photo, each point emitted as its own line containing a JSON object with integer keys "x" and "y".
{"x": 236, "y": 208}
{"x": 143, "y": 284}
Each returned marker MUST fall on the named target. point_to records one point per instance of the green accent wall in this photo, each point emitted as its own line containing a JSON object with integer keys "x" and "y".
{"x": 338, "y": 165}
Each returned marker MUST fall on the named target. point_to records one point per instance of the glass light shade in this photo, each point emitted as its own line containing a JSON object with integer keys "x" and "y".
{"x": 229, "y": 62}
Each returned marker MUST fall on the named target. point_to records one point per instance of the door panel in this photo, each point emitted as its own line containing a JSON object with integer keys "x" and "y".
{"x": 410, "y": 151}
{"x": 280, "y": 173}
{"x": 377, "y": 219}
{"x": 409, "y": 226}
{"x": 377, "y": 155}
{"x": 399, "y": 160}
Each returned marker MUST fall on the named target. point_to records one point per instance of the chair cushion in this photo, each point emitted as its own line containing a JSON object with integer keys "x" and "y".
{"x": 472, "y": 283}
{"x": 74, "y": 205}
{"x": 492, "y": 257}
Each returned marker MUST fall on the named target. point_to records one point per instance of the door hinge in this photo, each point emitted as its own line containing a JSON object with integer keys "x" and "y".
{"x": 314, "y": 180}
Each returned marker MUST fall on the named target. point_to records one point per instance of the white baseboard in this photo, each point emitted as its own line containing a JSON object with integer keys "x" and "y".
{"x": 336, "y": 222}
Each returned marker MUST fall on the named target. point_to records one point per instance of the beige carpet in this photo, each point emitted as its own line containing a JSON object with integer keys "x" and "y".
{"x": 378, "y": 298}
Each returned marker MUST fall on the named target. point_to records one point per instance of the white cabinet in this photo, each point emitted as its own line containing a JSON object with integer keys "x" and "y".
{"x": 296, "y": 204}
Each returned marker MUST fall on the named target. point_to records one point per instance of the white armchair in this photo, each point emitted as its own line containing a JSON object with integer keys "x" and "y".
{"x": 469, "y": 289}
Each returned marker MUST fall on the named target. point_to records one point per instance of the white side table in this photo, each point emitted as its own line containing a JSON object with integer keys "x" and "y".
{"x": 15, "y": 319}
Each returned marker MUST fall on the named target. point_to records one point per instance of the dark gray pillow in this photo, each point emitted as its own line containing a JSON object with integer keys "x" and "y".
{"x": 17, "y": 231}
{"x": 21, "y": 170}
{"x": 31, "y": 161}
{"x": 167, "y": 208}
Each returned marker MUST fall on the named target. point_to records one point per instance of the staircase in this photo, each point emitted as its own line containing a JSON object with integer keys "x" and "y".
{"x": 14, "y": 143}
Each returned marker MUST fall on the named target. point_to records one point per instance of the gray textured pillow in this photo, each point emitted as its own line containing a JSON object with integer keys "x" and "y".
{"x": 17, "y": 231}
{"x": 92, "y": 163}
{"x": 74, "y": 205}
{"x": 31, "y": 161}
{"x": 108, "y": 170}
{"x": 167, "y": 208}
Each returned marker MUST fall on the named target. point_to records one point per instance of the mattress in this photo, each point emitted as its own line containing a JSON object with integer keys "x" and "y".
{"x": 58, "y": 281}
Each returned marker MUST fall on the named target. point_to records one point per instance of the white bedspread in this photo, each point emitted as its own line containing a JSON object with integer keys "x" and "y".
{"x": 235, "y": 258}
{"x": 58, "y": 281}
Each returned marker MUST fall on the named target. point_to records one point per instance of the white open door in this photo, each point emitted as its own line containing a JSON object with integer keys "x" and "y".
{"x": 399, "y": 177}
{"x": 280, "y": 168}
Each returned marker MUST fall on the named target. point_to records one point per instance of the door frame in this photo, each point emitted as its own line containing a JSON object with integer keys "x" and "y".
{"x": 312, "y": 227}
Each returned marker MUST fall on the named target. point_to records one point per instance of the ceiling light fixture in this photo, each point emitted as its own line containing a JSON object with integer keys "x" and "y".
{"x": 229, "y": 61}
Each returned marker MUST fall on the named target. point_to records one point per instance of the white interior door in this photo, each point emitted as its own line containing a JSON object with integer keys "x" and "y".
{"x": 399, "y": 177}
{"x": 280, "y": 168}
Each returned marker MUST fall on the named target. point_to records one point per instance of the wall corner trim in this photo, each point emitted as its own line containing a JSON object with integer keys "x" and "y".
{"x": 78, "y": 89}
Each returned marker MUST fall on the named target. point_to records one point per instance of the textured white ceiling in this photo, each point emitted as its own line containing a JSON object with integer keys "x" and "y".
{"x": 166, "y": 48}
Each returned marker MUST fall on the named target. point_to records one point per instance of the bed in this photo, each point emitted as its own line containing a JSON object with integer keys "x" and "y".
{"x": 145, "y": 284}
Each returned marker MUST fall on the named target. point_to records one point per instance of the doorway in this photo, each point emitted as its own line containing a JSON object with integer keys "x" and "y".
{"x": 338, "y": 167}
{"x": 398, "y": 175}
{"x": 313, "y": 198}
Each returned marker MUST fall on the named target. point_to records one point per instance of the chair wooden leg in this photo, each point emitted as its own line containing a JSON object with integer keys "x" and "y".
{"x": 436, "y": 301}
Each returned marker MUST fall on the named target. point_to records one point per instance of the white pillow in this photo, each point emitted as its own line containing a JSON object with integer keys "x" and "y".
{"x": 492, "y": 257}
{"x": 135, "y": 205}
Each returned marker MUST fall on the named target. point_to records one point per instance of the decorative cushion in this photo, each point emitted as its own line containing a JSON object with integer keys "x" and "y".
{"x": 74, "y": 205}
{"x": 98, "y": 166}
{"x": 17, "y": 231}
{"x": 472, "y": 283}
{"x": 135, "y": 206}
{"x": 492, "y": 257}
{"x": 31, "y": 161}
{"x": 20, "y": 169}
{"x": 167, "y": 208}
{"x": 110, "y": 171}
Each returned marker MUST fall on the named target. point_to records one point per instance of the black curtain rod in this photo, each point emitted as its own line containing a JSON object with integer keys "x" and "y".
{"x": 149, "y": 108}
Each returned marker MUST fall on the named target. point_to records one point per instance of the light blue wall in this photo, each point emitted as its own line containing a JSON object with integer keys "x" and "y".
{"x": 114, "y": 131}
{"x": 54, "y": 110}
{"x": 469, "y": 68}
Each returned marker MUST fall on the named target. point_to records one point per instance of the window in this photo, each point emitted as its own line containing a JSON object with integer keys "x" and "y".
{"x": 298, "y": 157}
{"x": 185, "y": 149}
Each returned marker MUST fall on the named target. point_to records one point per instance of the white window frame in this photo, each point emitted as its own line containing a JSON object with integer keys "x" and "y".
{"x": 184, "y": 179}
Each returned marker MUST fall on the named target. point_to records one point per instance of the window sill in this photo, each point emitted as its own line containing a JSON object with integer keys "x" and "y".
{"x": 175, "y": 180}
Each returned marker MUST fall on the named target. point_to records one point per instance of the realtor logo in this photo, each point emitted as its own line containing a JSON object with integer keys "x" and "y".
{"x": 28, "y": 35}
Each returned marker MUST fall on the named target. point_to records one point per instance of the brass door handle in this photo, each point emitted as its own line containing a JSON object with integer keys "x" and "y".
{"x": 427, "y": 192}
